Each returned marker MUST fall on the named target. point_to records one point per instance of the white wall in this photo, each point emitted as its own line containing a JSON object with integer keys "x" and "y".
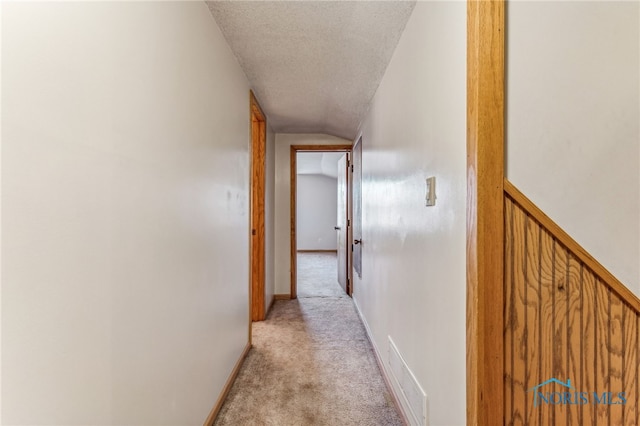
{"x": 125, "y": 213}
{"x": 317, "y": 212}
{"x": 283, "y": 201}
{"x": 269, "y": 220}
{"x": 413, "y": 259}
{"x": 573, "y": 122}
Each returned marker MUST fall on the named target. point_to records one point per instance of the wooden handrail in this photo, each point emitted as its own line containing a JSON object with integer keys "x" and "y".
{"x": 572, "y": 246}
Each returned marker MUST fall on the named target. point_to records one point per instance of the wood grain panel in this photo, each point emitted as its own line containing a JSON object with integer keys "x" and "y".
{"x": 509, "y": 307}
{"x": 485, "y": 207}
{"x": 518, "y": 317}
{"x": 560, "y": 327}
{"x": 616, "y": 354}
{"x": 547, "y": 329}
{"x": 574, "y": 332}
{"x": 630, "y": 366}
{"x": 534, "y": 312}
{"x": 589, "y": 345}
{"x": 602, "y": 353}
{"x": 576, "y": 249}
{"x": 564, "y": 319}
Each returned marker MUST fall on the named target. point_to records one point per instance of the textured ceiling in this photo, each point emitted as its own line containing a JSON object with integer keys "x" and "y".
{"x": 313, "y": 65}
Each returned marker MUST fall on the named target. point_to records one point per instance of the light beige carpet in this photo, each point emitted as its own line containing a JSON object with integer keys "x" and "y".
{"x": 311, "y": 362}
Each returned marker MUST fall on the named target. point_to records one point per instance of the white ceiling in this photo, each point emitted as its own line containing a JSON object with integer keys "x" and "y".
{"x": 313, "y": 65}
{"x": 318, "y": 163}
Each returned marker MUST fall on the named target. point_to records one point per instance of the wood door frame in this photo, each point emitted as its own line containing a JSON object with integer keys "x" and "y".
{"x": 294, "y": 199}
{"x": 485, "y": 211}
{"x": 356, "y": 201}
{"x": 258, "y": 124}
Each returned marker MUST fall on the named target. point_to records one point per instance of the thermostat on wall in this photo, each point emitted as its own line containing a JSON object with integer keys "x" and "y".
{"x": 430, "y": 198}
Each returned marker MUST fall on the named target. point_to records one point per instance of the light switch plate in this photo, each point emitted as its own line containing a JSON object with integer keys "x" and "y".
{"x": 430, "y": 198}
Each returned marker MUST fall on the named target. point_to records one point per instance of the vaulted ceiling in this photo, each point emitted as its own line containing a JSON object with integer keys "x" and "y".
{"x": 313, "y": 65}
{"x": 318, "y": 163}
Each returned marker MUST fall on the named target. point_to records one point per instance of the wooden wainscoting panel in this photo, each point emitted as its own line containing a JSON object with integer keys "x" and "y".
{"x": 519, "y": 322}
{"x": 630, "y": 365}
{"x": 574, "y": 332}
{"x": 616, "y": 353}
{"x": 547, "y": 246}
{"x": 509, "y": 316}
{"x": 533, "y": 315}
{"x": 568, "y": 321}
{"x": 589, "y": 343}
{"x": 560, "y": 325}
{"x": 575, "y": 248}
{"x": 602, "y": 343}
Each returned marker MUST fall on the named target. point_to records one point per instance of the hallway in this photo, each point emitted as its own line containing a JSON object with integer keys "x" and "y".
{"x": 311, "y": 361}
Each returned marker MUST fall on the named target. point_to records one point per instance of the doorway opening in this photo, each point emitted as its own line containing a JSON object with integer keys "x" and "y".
{"x": 322, "y": 234}
{"x": 257, "y": 234}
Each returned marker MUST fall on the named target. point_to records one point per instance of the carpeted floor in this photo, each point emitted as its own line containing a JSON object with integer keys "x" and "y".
{"x": 311, "y": 362}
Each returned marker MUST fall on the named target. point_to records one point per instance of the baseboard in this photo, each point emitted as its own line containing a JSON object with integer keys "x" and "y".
{"x": 273, "y": 300}
{"x": 227, "y": 387}
{"x": 282, "y": 297}
{"x": 383, "y": 370}
{"x": 317, "y": 251}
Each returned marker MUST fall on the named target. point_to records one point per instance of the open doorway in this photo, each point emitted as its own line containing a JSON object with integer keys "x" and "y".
{"x": 320, "y": 212}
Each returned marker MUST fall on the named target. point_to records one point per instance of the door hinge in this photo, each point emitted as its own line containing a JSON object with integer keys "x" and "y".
{"x": 352, "y": 168}
{"x": 351, "y": 247}
{"x": 348, "y": 222}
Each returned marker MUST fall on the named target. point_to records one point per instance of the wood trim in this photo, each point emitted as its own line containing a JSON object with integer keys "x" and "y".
{"x": 282, "y": 296}
{"x": 572, "y": 246}
{"x": 257, "y": 233}
{"x": 485, "y": 205}
{"x": 255, "y": 106}
{"x": 227, "y": 387}
{"x": 317, "y": 251}
{"x": 293, "y": 238}
{"x": 294, "y": 149}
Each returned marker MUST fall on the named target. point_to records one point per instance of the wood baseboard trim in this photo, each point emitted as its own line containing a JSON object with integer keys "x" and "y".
{"x": 281, "y": 297}
{"x": 383, "y": 370}
{"x": 273, "y": 300}
{"x": 317, "y": 251}
{"x": 227, "y": 387}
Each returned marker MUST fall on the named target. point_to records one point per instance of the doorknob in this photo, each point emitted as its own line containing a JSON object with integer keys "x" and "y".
{"x": 357, "y": 241}
{"x": 337, "y": 228}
